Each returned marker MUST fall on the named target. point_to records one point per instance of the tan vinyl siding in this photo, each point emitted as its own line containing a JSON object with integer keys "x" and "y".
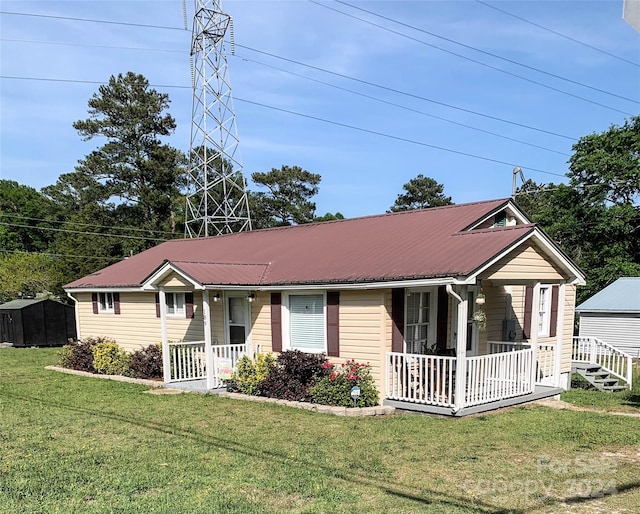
{"x": 216, "y": 310}
{"x": 525, "y": 263}
{"x": 261, "y": 321}
{"x": 175, "y": 280}
{"x": 137, "y": 325}
{"x": 567, "y": 328}
{"x": 363, "y": 325}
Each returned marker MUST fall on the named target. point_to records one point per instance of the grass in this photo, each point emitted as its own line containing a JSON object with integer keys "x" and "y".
{"x": 623, "y": 401}
{"x": 76, "y": 444}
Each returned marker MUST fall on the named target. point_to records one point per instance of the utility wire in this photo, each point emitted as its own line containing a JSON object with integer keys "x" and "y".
{"x": 132, "y": 229}
{"x": 393, "y": 104}
{"x": 405, "y": 93}
{"x": 496, "y": 56}
{"x": 541, "y": 84}
{"x": 558, "y": 33}
{"x": 64, "y": 255}
{"x": 147, "y": 49}
{"x": 398, "y": 138}
{"x": 68, "y": 231}
{"x": 331, "y": 122}
{"x": 311, "y": 67}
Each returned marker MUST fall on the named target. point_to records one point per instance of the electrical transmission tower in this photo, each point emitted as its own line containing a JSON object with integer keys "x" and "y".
{"x": 217, "y": 200}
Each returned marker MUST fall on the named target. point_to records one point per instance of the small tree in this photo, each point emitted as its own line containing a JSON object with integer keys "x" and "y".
{"x": 421, "y": 192}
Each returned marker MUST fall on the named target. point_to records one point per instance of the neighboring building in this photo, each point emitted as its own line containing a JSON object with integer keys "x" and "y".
{"x": 36, "y": 322}
{"x": 613, "y": 315}
{"x": 380, "y": 289}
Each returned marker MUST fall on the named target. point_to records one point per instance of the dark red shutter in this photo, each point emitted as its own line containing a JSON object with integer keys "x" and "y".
{"x": 94, "y": 301}
{"x": 188, "y": 305}
{"x": 333, "y": 325}
{"x": 157, "y": 305}
{"x": 397, "y": 320}
{"x": 553, "y": 321}
{"x": 116, "y": 303}
{"x": 276, "y": 322}
{"x": 528, "y": 309}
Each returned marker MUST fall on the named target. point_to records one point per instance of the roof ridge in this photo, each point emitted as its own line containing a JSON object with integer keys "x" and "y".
{"x": 493, "y": 230}
{"x": 175, "y": 261}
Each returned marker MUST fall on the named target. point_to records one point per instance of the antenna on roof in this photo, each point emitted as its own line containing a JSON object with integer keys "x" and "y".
{"x": 516, "y": 171}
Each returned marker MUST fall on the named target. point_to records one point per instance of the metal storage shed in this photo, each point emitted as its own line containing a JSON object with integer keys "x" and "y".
{"x": 39, "y": 322}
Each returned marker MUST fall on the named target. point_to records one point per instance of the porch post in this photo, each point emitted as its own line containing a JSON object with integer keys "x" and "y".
{"x": 562, "y": 291}
{"x": 166, "y": 357}
{"x": 461, "y": 351}
{"x": 208, "y": 351}
{"x": 535, "y": 329}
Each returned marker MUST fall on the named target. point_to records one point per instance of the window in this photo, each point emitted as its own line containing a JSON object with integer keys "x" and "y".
{"x": 175, "y": 304}
{"x": 307, "y": 322}
{"x": 544, "y": 309}
{"x": 418, "y": 308}
{"x": 105, "y": 303}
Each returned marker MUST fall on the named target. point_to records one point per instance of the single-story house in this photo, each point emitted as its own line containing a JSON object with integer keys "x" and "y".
{"x": 613, "y": 315}
{"x": 36, "y": 322}
{"x": 457, "y": 309}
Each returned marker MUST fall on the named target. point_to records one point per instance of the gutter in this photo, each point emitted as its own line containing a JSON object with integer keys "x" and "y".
{"x": 458, "y": 298}
{"x": 77, "y": 313}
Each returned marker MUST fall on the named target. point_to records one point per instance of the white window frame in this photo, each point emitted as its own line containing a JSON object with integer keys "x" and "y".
{"x": 433, "y": 311}
{"x": 178, "y": 312}
{"x": 544, "y": 310}
{"x": 286, "y": 320}
{"x": 104, "y": 305}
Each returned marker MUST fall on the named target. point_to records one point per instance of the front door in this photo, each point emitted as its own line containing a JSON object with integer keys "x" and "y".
{"x": 238, "y": 319}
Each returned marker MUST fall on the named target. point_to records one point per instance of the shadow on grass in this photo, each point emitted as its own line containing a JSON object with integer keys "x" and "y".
{"x": 388, "y": 487}
{"x": 617, "y": 490}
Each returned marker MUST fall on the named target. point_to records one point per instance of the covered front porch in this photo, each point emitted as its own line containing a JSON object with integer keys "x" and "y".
{"x": 444, "y": 385}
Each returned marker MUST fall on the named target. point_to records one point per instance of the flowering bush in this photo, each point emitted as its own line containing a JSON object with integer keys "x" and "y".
{"x": 250, "y": 373}
{"x": 335, "y": 387}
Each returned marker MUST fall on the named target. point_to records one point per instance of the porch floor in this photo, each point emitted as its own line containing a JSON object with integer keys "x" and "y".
{"x": 539, "y": 393}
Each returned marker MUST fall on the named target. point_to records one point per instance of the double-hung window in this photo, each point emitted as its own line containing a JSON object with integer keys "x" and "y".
{"x": 105, "y": 303}
{"x": 175, "y": 304}
{"x": 307, "y": 323}
{"x": 544, "y": 311}
{"x": 418, "y": 321}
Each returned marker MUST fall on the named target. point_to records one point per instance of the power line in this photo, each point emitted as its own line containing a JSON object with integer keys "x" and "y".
{"x": 68, "y": 231}
{"x": 541, "y": 84}
{"x": 403, "y": 107}
{"x": 558, "y": 33}
{"x": 344, "y": 125}
{"x": 132, "y": 229}
{"x": 146, "y": 49}
{"x": 469, "y": 111}
{"x": 398, "y": 138}
{"x": 405, "y": 93}
{"x": 67, "y": 256}
{"x": 496, "y": 56}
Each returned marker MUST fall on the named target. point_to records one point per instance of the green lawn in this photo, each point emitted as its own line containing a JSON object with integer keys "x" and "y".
{"x": 623, "y": 401}
{"x": 75, "y": 444}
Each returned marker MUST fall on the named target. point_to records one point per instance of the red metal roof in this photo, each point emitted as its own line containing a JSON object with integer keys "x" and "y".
{"x": 419, "y": 244}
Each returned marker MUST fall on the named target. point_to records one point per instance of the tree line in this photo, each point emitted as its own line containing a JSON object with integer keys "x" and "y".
{"x": 129, "y": 194}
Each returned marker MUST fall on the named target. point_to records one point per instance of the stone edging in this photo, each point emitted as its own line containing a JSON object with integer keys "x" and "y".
{"x": 117, "y": 378}
{"x": 314, "y": 407}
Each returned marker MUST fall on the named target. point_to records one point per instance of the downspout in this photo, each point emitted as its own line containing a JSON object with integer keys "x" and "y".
{"x": 461, "y": 346}
{"x": 76, "y": 310}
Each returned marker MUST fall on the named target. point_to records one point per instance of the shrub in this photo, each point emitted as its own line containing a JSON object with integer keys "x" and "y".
{"x": 110, "y": 359}
{"x": 335, "y": 387}
{"x": 78, "y": 354}
{"x": 292, "y": 374}
{"x": 251, "y": 373}
{"x": 147, "y": 362}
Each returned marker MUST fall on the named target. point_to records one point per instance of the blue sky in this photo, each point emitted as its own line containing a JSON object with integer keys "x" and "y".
{"x": 410, "y": 125}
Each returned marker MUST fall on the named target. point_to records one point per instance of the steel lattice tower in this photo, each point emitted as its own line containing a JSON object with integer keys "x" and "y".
{"x": 217, "y": 200}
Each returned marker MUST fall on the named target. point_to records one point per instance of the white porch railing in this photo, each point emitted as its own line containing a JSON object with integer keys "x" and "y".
{"x": 415, "y": 378}
{"x": 188, "y": 360}
{"x": 498, "y": 376}
{"x": 612, "y": 360}
{"x": 545, "y": 358}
